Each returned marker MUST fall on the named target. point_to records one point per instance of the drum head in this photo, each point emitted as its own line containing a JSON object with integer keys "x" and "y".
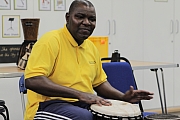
{"x": 118, "y": 108}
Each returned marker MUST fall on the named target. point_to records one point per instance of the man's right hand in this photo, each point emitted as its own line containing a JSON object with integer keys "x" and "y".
{"x": 93, "y": 99}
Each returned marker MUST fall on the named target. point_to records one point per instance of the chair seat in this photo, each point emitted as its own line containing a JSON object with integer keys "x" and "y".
{"x": 148, "y": 113}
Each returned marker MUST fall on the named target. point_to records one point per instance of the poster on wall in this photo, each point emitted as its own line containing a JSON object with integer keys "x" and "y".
{"x": 44, "y": 5}
{"x": 20, "y": 4}
{"x": 10, "y": 26}
{"x": 5, "y": 4}
{"x": 59, "y": 5}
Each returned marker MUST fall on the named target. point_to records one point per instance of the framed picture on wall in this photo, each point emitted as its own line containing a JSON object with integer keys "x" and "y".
{"x": 10, "y": 26}
{"x": 44, "y": 5}
{"x": 59, "y": 5}
{"x": 20, "y": 4}
{"x": 5, "y": 4}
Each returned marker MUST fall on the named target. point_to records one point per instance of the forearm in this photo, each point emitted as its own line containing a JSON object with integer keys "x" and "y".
{"x": 44, "y": 86}
{"x": 107, "y": 91}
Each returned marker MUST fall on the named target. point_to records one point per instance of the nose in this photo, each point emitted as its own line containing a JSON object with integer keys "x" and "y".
{"x": 86, "y": 21}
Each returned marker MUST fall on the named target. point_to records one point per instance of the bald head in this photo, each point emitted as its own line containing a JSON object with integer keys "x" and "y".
{"x": 75, "y": 3}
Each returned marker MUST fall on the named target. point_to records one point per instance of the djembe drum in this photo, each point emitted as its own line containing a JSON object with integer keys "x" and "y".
{"x": 119, "y": 110}
{"x": 30, "y": 29}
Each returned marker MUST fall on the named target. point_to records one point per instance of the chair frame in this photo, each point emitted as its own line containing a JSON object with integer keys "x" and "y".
{"x": 2, "y": 105}
{"x": 22, "y": 90}
{"x": 2, "y": 110}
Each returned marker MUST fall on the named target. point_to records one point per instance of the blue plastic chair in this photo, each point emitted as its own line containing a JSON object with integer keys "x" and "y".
{"x": 22, "y": 90}
{"x": 120, "y": 76}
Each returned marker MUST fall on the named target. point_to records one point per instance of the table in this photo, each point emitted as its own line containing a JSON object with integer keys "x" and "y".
{"x": 14, "y": 71}
{"x": 154, "y": 66}
{"x": 10, "y": 72}
{"x": 141, "y": 65}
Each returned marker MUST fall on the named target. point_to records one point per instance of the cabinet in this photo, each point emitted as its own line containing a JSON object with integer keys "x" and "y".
{"x": 122, "y": 22}
{"x": 161, "y": 25}
{"x": 127, "y": 23}
{"x": 176, "y": 51}
{"x": 158, "y": 46}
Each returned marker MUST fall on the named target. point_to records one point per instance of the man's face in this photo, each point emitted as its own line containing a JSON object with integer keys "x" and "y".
{"x": 81, "y": 22}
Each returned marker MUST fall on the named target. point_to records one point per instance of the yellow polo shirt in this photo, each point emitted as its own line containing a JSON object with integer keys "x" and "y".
{"x": 57, "y": 56}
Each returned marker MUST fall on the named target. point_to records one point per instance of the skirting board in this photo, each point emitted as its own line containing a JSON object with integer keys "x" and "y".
{"x": 169, "y": 110}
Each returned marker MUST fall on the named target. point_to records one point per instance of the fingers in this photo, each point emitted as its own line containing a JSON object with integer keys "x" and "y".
{"x": 103, "y": 102}
{"x": 142, "y": 92}
{"x": 131, "y": 88}
{"x": 143, "y": 95}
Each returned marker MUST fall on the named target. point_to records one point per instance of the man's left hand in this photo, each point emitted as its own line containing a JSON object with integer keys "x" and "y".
{"x": 133, "y": 96}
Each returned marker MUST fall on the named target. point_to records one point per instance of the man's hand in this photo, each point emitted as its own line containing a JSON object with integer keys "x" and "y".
{"x": 133, "y": 96}
{"x": 93, "y": 99}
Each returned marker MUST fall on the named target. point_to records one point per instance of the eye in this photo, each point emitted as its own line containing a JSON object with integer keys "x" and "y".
{"x": 79, "y": 16}
{"x": 92, "y": 19}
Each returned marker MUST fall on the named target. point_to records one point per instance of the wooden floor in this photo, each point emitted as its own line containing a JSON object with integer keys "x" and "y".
{"x": 174, "y": 111}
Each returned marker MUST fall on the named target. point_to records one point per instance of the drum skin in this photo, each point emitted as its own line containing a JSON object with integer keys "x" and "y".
{"x": 119, "y": 110}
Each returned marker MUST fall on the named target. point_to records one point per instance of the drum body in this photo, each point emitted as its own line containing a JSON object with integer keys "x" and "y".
{"x": 119, "y": 110}
{"x": 30, "y": 28}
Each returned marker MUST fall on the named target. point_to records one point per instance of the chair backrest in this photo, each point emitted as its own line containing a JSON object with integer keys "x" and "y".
{"x": 22, "y": 90}
{"x": 120, "y": 75}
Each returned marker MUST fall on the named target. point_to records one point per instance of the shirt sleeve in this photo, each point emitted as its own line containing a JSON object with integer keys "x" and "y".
{"x": 42, "y": 57}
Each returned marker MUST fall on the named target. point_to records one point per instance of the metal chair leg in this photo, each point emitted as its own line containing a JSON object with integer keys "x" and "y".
{"x": 7, "y": 112}
{"x": 2, "y": 110}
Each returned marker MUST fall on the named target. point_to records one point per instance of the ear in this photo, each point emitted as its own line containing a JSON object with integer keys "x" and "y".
{"x": 67, "y": 17}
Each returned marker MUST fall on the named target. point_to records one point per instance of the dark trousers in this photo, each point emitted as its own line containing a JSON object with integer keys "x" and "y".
{"x": 62, "y": 110}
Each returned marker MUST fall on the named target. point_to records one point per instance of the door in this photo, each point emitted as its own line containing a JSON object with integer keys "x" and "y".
{"x": 158, "y": 46}
{"x": 127, "y": 28}
{"x": 177, "y": 52}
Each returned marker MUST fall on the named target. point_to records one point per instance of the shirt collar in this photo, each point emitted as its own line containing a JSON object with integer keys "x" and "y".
{"x": 72, "y": 40}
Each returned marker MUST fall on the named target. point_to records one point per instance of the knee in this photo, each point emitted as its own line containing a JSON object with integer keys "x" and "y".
{"x": 84, "y": 115}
